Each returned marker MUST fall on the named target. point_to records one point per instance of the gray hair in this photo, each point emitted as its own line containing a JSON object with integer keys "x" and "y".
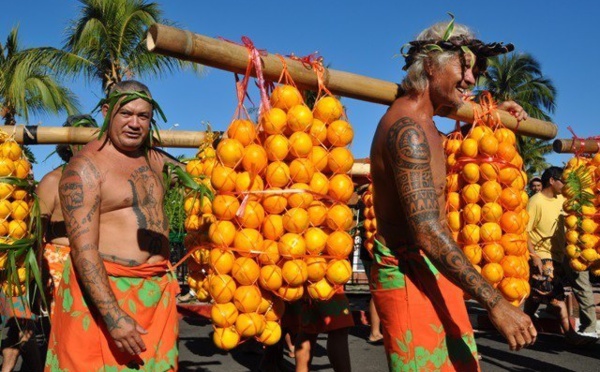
{"x": 129, "y": 86}
{"x": 416, "y": 78}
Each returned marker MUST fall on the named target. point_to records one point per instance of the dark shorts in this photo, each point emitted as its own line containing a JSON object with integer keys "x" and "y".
{"x": 314, "y": 317}
{"x": 549, "y": 285}
{"x": 11, "y": 334}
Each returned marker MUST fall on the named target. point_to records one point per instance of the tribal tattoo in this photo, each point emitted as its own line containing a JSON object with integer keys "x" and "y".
{"x": 146, "y": 188}
{"x": 411, "y": 157}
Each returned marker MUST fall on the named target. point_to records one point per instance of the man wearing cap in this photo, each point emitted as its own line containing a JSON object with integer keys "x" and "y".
{"x": 115, "y": 306}
{"x": 419, "y": 273}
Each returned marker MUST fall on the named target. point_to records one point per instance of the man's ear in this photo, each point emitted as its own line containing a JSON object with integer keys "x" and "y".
{"x": 104, "y": 109}
{"x": 428, "y": 66}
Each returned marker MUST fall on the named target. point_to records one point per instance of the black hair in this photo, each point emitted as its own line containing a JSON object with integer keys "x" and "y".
{"x": 534, "y": 179}
{"x": 552, "y": 172}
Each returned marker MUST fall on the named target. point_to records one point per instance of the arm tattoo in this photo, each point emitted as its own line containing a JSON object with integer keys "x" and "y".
{"x": 411, "y": 158}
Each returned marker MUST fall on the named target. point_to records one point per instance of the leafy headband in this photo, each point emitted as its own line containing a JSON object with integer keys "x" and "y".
{"x": 460, "y": 43}
{"x": 123, "y": 98}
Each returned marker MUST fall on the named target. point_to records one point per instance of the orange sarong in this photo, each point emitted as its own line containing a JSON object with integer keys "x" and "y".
{"x": 55, "y": 255}
{"x": 79, "y": 340}
{"x": 423, "y": 315}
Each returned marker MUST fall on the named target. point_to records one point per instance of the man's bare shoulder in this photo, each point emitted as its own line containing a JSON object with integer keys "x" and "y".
{"x": 52, "y": 177}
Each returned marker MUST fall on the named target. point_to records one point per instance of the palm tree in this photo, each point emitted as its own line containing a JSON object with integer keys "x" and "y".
{"x": 27, "y": 84}
{"x": 107, "y": 43}
{"x": 518, "y": 77}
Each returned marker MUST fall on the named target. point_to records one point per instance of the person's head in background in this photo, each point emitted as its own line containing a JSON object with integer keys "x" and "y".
{"x": 65, "y": 151}
{"x": 535, "y": 185}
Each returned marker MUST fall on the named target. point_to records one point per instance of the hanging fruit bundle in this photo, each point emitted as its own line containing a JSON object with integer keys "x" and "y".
{"x": 370, "y": 222}
{"x": 582, "y": 198}
{"x": 282, "y": 219}
{"x": 486, "y": 202}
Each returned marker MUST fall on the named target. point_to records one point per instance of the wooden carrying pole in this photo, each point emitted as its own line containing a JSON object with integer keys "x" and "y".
{"x": 224, "y": 55}
{"x": 565, "y": 146}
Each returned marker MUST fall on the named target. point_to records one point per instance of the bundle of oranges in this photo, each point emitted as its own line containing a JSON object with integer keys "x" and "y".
{"x": 16, "y": 222}
{"x": 282, "y": 219}
{"x": 370, "y": 222}
{"x": 486, "y": 204}
{"x": 581, "y": 180}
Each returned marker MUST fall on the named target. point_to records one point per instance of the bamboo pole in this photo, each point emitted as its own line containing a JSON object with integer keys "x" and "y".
{"x": 34, "y": 135}
{"x": 566, "y": 146}
{"x": 224, "y": 55}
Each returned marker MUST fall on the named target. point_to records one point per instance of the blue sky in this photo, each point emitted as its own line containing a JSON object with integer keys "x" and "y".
{"x": 361, "y": 37}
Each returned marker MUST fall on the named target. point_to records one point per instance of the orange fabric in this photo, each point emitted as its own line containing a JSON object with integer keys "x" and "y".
{"x": 55, "y": 255}
{"x": 79, "y": 340}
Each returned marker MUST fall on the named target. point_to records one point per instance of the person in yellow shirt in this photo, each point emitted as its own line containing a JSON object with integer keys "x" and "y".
{"x": 546, "y": 245}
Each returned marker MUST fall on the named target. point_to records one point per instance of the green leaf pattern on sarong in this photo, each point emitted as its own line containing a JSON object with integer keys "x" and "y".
{"x": 67, "y": 300}
{"x": 150, "y": 293}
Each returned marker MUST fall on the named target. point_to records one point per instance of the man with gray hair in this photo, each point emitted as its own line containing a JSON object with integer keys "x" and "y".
{"x": 419, "y": 272}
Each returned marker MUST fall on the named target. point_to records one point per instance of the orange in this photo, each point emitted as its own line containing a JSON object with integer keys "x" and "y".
{"x": 451, "y": 146}
{"x": 341, "y": 187}
{"x": 223, "y": 315}
{"x": 479, "y": 131}
{"x": 272, "y": 227}
{"x": 191, "y": 205}
{"x": 317, "y": 213}
{"x": 571, "y": 221}
{"x": 222, "y": 233}
{"x": 520, "y": 181}
{"x": 208, "y": 167}
{"x": 315, "y": 239}
{"x": 250, "y": 325}
{"x": 285, "y": 97}
{"x": 450, "y": 161}
{"x": 517, "y": 161}
{"x": 572, "y": 236}
{"x": 6, "y": 190}
{"x": 468, "y": 148}
{"x": 194, "y": 167}
{"x": 470, "y": 234}
{"x": 589, "y": 255}
{"x": 301, "y": 170}
{"x": 319, "y": 157}
{"x": 488, "y": 145}
{"x": 271, "y": 277}
{"x": 225, "y": 206}
{"x": 452, "y": 182}
{"x": 490, "y": 232}
{"x": 276, "y": 309}
{"x": 274, "y": 203}
{"x": 274, "y": 121}
{"x": 513, "y": 288}
{"x": 19, "y": 210}
{"x": 339, "y": 271}
{"x": 508, "y": 175}
{"x": 491, "y": 212}
{"x": 5, "y": 208}
{"x": 473, "y": 253}
{"x": 245, "y": 182}
{"x": 339, "y": 244}
{"x": 192, "y": 223}
{"x": 221, "y": 260}
{"x": 7, "y": 167}
{"x": 505, "y": 135}
{"x": 319, "y": 183}
{"x": 492, "y": 272}
{"x": 294, "y": 272}
{"x": 223, "y": 178}
{"x": 266, "y": 302}
{"x": 321, "y": 290}
{"x": 242, "y": 130}
{"x": 489, "y": 171}
{"x": 230, "y": 152}
{"x": 248, "y": 242}
{"x": 340, "y": 160}
{"x": 300, "y": 145}
{"x": 277, "y": 147}
{"x": 470, "y": 173}
{"x": 269, "y": 254}
{"x": 290, "y": 293}
{"x": 588, "y": 225}
{"x": 291, "y": 245}
{"x": 295, "y": 220}
{"x": 11, "y": 150}
{"x": 254, "y": 159}
{"x": 510, "y": 198}
{"x": 490, "y": 191}
{"x": 226, "y": 338}
{"x": 578, "y": 265}
{"x": 278, "y": 174}
{"x": 247, "y": 298}
{"x": 452, "y": 201}
{"x": 511, "y": 222}
{"x": 470, "y": 193}
{"x": 573, "y": 251}
{"x": 471, "y": 213}
{"x": 22, "y": 168}
{"x": 20, "y": 194}
{"x": 340, "y": 133}
{"x": 300, "y": 199}
{"x": 514, "y": 266}
{"x": 339, "y": 217}
{"x": 454, "y": 220}
{"x": 316, "y": 268}
{"x": 318, "y": 132}
{"x": 328, "y": 109}
{"x": 245, "y": 271}
{"x": 506, "y": 151}
{"x": 493, "y": 252}
{"x": 4, "y": 229}
{"x": 299, "y": 118}
{"x": 271, "y": 334}
{"x": 251, "y": 215}
{"x": 221, "y": 288}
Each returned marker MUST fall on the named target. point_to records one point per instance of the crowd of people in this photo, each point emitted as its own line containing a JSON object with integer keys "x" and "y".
{"x": 106, "y": 236}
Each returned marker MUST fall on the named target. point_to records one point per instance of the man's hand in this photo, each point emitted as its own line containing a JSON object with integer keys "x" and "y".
{"x": 514, "y": 109}
{"x": 127, "y": 335}
{"x": 537, "y": 262}
{"x": 513, "y": 324}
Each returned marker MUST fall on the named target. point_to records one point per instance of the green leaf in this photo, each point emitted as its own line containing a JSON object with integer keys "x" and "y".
{"x": 67, "y": 300}
{"x": 86, "y": 322}
{"x": 132, "y": 306}
{"x": 450, "y": 28}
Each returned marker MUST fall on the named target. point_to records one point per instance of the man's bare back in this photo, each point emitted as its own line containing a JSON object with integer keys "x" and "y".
{"x": 51, "y": 213}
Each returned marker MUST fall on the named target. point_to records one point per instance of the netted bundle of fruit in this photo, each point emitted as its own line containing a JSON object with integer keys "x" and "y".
{"x": 19, "y": 221}
{"x": 486, "y": 203}
{"x": 370, "y": 223}
{"x": 582, "y": 198}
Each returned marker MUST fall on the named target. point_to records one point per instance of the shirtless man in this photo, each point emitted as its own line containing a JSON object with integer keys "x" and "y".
{"x": 423, "y": 314}
{"x": 116, "y": 304}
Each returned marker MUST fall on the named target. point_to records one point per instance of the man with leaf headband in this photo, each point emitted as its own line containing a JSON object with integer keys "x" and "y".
{"x": 419, "y": 272}
{"x": 115, "y": 306}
